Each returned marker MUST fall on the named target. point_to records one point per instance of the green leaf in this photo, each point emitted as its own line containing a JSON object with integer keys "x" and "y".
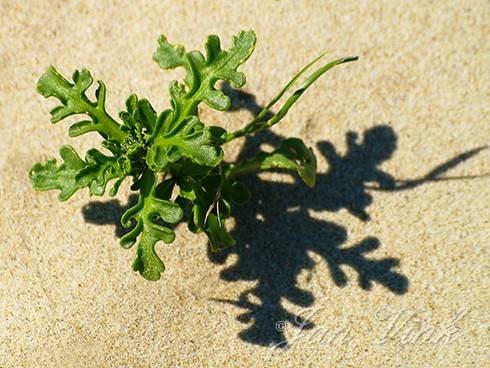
{"x": 139, "y": 118}
{"x": 72, "y": 96}
{"x": 211, "y": 200}
{"x": 99, "y": 170}
{"x": 235, "y": 191}
{"x": 81, "y": 127}
{"x": 74, "y": 173}
{"x": 167, "y": 55}
{"x": 291, "y": 154}
{"x": 218, "y": 237}
{"x": 191, "y": 169}
{"x": 218, "y": 134}
{"x": 74, "y": 101}
{"x": 50, "y": 176}
{"x": 202, "y": 73}
{"x": 202, "y": 194}
{"x": 190, "y": 138}
{"x": 146, "y": 212}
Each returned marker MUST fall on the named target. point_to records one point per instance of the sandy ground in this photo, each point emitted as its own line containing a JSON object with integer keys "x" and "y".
{"x": 343, "y": 275}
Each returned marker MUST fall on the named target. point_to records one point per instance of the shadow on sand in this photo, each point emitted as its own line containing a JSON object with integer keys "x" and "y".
{"x": 275, "y": 232}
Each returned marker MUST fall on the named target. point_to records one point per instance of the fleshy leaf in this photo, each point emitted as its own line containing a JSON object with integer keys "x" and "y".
{"x": 74, "y": 173}
{"x": 167, "y": 55}
{"x": 218, "y": 237}
{"x": 74, "y": 101}
{"x": 174, "y": 145}
{"x": 235, "y": 191}
{"x": 139, "y": 118}
{"x": 190, "y": 138}
{"x": 291, "y": 154}
{"x": 99, "y": 170}
{"x": 204, "y": 72}
{"x": 72, "y": 96}
{"x": 81, "y": 127}
{"x": 146, "y": 212}
{"x": 50, "y": 176}
{"x": 211, "y": 200}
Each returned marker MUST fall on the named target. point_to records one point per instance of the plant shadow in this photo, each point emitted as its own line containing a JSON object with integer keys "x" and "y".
{"x": 108, "y": 213}
{"x": 276, "y": 233}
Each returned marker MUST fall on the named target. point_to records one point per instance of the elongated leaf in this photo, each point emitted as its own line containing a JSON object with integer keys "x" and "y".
{"x": 286, "y": 88}
{"x": 74, "y": 101}
{"x": 146, "y": 213}
{"x": 260, "y": 123}
{"x": 304, "y": 86}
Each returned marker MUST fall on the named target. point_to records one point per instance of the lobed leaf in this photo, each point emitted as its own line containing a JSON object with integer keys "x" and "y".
{"x": 189, "y": 138}
{"x": 50, "y": 176}
{"x": 74, "y": 101}
{"x": 175, "y": 143}
{"x": 211, "y": 199}
{"x": 74, "y": 173}
{"x": 202, "y": 73}
{"x": 291, "y": 154}
{"x": 139, "y": 119}
{"x": 99, "y": 170}
{"x": 146, "y": 213}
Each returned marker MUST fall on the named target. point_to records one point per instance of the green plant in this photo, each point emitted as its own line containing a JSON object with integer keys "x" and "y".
{"x": 175, "y": 160}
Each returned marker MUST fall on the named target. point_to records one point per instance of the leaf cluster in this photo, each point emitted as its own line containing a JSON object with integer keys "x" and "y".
{"x": 175, "y": 160}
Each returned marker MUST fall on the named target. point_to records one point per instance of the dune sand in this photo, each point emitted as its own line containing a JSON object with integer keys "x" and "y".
{"x": 348, "y": 274}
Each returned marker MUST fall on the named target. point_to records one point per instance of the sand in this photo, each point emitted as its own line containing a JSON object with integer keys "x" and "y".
{"x": 386, "y": 278}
